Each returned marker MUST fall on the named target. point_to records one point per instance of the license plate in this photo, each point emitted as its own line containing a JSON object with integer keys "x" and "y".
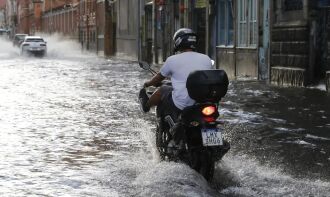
{"x": 212, "y": 137}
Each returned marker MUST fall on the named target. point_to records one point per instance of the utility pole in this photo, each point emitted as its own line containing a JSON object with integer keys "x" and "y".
{"x": 155, "y": 32}
{"x": 5, "y": 17}
{"x": 13, "y": 19}
{"x": 207, "y": 29}
{"x": 139, "y": 31}
{"x": 87, "y": 31}
{"x": 51, "y": 16}
{"x": 109, "y": 31}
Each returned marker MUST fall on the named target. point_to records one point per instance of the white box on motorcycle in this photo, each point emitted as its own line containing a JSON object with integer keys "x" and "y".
{"x": 207, "y": 85}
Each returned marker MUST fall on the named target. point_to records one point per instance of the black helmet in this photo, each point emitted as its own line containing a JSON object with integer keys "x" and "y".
{"x": 184, "y": 38}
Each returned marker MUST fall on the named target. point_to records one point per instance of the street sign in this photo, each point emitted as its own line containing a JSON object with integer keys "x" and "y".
{"x": 200, "y": 4}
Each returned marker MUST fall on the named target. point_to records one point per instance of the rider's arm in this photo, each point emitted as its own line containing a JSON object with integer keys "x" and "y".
{"x": 155, "y": 80}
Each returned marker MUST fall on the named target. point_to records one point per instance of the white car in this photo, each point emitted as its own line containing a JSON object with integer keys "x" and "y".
{"x": 34, "y": 45}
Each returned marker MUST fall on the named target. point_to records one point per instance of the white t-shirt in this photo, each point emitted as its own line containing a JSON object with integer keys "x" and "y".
{"x": 178, "y": 67}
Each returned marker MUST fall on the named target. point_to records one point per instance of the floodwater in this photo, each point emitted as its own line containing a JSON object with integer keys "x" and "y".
{"x": 70, "y": 125}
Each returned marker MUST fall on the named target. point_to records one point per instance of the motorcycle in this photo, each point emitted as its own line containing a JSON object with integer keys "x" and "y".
{"x": 195, "y": 136}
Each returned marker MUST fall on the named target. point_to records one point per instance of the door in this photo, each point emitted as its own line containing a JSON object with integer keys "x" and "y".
{"x": 199, "y": 24}
{"x": 147, "y": 45}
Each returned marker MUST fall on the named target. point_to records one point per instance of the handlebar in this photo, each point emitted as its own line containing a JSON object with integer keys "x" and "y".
{"x": 146, "y": 66}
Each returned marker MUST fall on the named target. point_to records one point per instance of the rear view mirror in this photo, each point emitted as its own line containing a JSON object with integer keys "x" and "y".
{"x": 144, "y": 65}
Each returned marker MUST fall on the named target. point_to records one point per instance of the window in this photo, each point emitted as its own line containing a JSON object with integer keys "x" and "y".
{"x": 225, "y": 29}
{"x": 34, "y": 40}
{"x": 123, "y": 19}
{"x": 247, "y": 23}
{"x": 291, "y": 5}
{"x": 127, "y": 11}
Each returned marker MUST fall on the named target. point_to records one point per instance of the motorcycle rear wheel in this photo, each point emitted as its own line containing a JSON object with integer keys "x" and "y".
{"x": 203, "y": 163}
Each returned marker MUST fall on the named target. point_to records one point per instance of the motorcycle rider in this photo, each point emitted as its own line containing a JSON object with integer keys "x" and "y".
{"x": 176, "y": 67}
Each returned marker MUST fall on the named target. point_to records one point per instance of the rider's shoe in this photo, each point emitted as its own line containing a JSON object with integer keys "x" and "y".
{"x": 174, "y": 149}
{"x": 177, "y": 132}
{"x": 143, "y": 98}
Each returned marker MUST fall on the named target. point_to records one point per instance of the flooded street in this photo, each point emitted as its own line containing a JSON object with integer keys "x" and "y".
{"x": 280, "y": 140}
{"x": 71, "y": 126}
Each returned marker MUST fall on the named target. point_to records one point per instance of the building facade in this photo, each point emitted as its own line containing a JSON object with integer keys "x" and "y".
{"x": 87, "y": 24}
{"x": 11, "y": 16}
{"x": 60, "y": 16}
{"x": 28, "y": 16}
{"x": 105, "y": 28}
{"x": 128, "y": 21}
{"x": 23, "y": 16}
{"x": 160, "y": 20}
{"x": 235, "y": 36}
{"x": 285, "y": 42}
{"x": 3, "y": 23}
{"x": 300, "y": 42}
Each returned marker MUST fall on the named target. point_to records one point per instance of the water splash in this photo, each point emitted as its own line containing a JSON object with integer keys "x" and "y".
{"x": 59, "y": 45}
{"x": 253, "y": 179}
{"x": 7, "y": 50}
{"x": 284, "y": 76}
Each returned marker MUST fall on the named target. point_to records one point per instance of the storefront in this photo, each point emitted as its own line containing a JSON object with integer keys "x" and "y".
{"x": 237, "y": 40}
{"x": 168, "y": 17}
{"x": 324, "y": 6}
{"x": 87, "y": 25}
{"x": 199, "y": 23}
{"x": 290, "y": 43}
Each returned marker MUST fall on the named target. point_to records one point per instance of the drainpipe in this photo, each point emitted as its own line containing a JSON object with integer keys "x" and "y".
{"x": 109, "y": 43}
{"x": 87, "y": 12}
{"x": 270, "y": 22}
{"x": 139, "y": 31}
{"x": 51, "y": 16}
{"x": 207, "y": 38}
{"x": 312, "y": 45}
{"x": 155, "y": 32}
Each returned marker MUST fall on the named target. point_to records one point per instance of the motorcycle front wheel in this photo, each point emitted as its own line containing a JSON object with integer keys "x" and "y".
{"x": 162, "y": 140}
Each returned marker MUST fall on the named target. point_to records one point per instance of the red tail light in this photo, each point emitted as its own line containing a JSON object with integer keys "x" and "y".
{"x": 209, "y": 119}
{"x": 208, "y": 110}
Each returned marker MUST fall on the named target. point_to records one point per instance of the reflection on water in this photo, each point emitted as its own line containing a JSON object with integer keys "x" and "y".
{"x": 287, "y": 127}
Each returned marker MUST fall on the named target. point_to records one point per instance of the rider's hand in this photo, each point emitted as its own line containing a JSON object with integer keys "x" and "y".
{"x": 159, "y": 84}
{"x": 146, "y": 84}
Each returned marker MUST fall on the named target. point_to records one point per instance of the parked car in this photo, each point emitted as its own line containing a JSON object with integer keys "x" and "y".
{"x": 18, "y": 39}
{"x": 4, "y": 33}
{"x": 34, "y": 45}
